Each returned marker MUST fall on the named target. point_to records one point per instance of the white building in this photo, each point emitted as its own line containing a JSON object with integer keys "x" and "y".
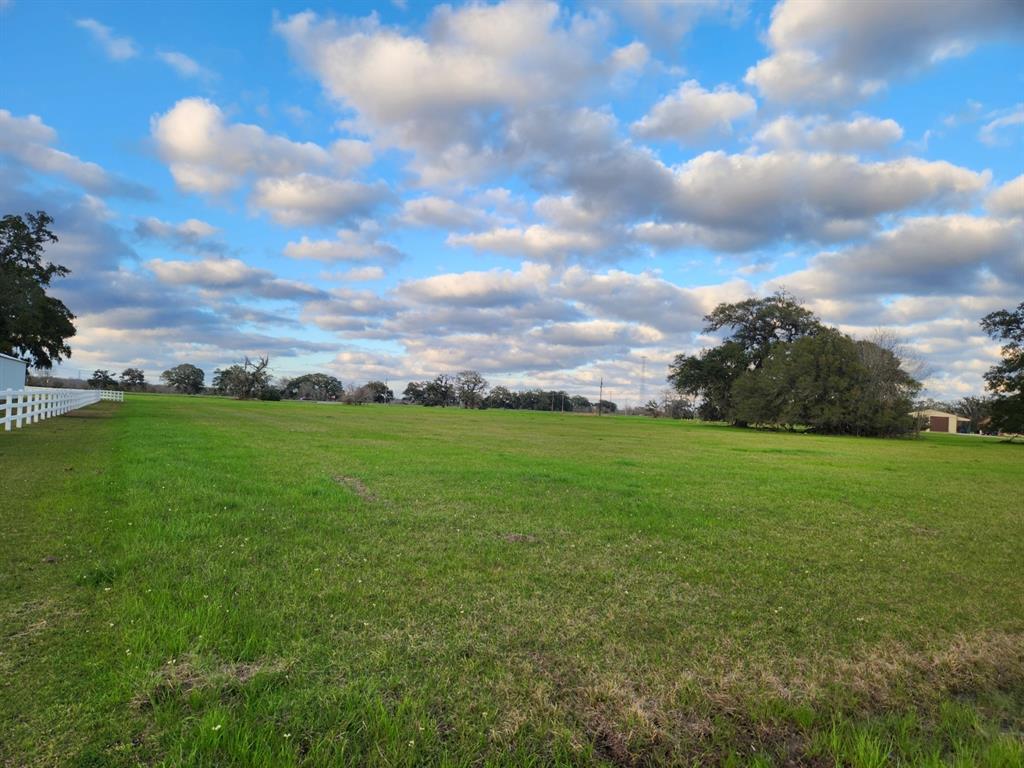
{"x": 12, "y": 372}
{"x": 941, "y": 421}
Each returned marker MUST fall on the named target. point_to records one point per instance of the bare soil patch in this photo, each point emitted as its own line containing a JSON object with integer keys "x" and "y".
{"x": 357, "y": 486}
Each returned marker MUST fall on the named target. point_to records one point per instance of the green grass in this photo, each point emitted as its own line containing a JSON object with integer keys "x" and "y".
{"x": 207, "y": 582}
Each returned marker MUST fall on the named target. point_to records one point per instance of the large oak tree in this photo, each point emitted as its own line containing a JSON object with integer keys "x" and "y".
{"x": 33, "y": 325}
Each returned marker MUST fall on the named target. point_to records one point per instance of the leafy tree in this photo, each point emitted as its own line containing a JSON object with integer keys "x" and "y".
{"x": 1006, "y": 379}
{"x": 102, "y": 380}
{"x": 977, "y": 409}
{"x": 651, "y": 408}
{"x": 313, "y": 386}
{"x": 607, "y": 406}
{"x": 359, "y": 395}
{"x": 470, "y": 388}
{"x": 270, "y": 393}
{"x": 580, "y": 403}
{"x": 822, "y": 382}
{"x": 381, "y": 392}
{"x": 415, "y": 392}
{"x": 710, "y": 376}
{"x": 500, "y": 397}
{"x": 133, "y": 378}
{"x": 440, "y": 391}
{"x": 757, "y": 324}
{"x": 185, "y": 378}
{"x": 33, "y": 325}
{"x": 244, "y": 381}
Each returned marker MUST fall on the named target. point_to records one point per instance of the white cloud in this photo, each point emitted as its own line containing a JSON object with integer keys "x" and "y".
{"x": 184, "y": 65}
{"x": 1008, "y": 200}
{"x": 27, "y": 140}
{"x": 439, "y": 95}
{"x": 191, "y": 234}
{"x": 992, "y": 132}
{"x": 206, "y": 153}
{"x": 116, "y": 48}
{"x": 843, "y": 50}
{"x": 360, "y": 274}
{"x": 355, "y": 245}
{"x": 311, "y": 199}
{"x": 230, "y": 275}
{"x": 442, "y": 213}
{"x": 692, "y": 114}
{"x": 537, "y": 241}
{"x": 933, "y": 255}
{"x": 868, "y": 134}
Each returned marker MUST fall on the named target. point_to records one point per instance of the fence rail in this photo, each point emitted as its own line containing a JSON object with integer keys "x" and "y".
{"x": 27, "y": 406}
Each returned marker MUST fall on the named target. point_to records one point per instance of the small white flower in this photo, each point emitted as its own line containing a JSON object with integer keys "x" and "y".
{"x": 287, "y": 735}
{"x": 217, "y": 727}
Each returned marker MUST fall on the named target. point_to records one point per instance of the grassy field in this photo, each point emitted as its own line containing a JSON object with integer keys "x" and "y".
{"x": 208, "y": 582}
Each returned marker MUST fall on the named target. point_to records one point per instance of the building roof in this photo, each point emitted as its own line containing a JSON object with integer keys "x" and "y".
{"x": 933, "y": 412}
{"x": 15, "y": 359}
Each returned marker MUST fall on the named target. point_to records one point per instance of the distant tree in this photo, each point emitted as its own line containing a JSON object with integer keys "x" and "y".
{"x": 580, "y": 403}
{"x": 33, "y": 325}
{"x": 1006, "y": 379}
{"x": 976, "y": 409}
{"x": 381, "y": 392}
{"x": 651, "y": 408}
{"x": 440, "y": 391}
{"x": 313, "y": 386}
{"x": 500, "y": 397}
{"x": 102, "y": 380}
{"x": 359, "y": 395}
{"x": 270, "y": 392}
{"x": 470, "y": 388}
{"x": 133, "y": 378}
{"x": 244, "y": 381}
{"x": 607, "y": 406}
{"x": 415, "y": 391}
{"x": 677, "y": 407}
{"x": 185, "y": 378}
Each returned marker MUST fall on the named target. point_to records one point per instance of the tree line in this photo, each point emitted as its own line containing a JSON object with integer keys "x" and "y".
{"x": 779, "y": 366}
{"x": 469, "y": 389}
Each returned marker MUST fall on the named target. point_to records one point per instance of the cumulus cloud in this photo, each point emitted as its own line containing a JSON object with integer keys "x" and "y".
{"x": 827, "y": 51}
{"x": 1008, "y": 200}
{"x": 28, "y": 141}
{"x": 817, "y": 132}
{"x": 116, "y": 48}
{"x": 497, "y": 287}
{"x": 439, "y": 94}
{"x": 692, "y": 114}
{"x": 206, "y": 153}
{"x": 230, "y": 275}
{"x": 355, "y": 245}
{"x": 933, "y": 255}
{"x": 191, "y": 234}
{"x": 442, "y": 213}
{"x": 311, "y": 199}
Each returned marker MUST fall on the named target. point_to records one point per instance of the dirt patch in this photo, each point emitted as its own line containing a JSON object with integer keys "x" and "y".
{"x": 708, "y": 718}
{"x": 357, "y": 486}
{"x": 52, "y": 559}
{"x": 520, "y": 538}
{"x": 178, "y": 677}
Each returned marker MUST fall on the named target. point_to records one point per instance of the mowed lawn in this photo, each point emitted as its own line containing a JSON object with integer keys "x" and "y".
{"x": 193, "y": 581}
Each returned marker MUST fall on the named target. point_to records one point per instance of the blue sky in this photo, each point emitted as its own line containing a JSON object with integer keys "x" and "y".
{"x": 547, "y": 193}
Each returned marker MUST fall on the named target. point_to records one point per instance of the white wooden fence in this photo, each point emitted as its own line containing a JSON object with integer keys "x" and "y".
{"x": 27, "y": 406}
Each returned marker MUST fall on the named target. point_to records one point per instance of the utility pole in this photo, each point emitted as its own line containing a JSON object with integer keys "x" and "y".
{"x": 643, "y": 380}
{"x": 600, "y": 398}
